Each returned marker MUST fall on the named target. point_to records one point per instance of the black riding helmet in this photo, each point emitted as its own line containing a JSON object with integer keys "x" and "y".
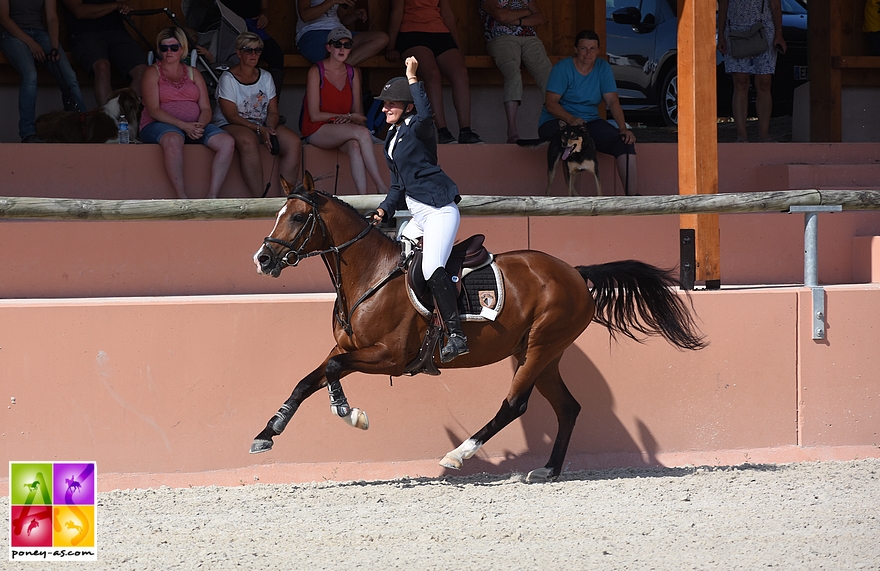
{"x": 397, "y": 89}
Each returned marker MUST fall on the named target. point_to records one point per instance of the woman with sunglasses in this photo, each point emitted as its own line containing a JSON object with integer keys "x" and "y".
{"x": 247, "y": 109}
{"x": 333, "y": 113}
{"x": 177, "y": 111}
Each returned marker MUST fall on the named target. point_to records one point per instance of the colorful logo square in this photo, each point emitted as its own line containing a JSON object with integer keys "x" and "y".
{"x": 52, "y": 515}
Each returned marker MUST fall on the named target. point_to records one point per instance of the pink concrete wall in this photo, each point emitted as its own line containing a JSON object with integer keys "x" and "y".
{"x": 172, "y": 390}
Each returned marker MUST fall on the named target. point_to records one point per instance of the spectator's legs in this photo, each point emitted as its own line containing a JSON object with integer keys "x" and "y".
{"x": 248, "y": 147}
{"x": 763, "y": 105}
{"x": 63, "y": 73}
{"x": 366, "y": 45}
{"x": 430, "y": 74}
{"x": 291, "y": 151}
{"x": 355, "y": 141}
{"x": 534, "y": 57}
{"x": 137, "y": 75}
{"x": 631, "y": 185}
{"x": 172, "y": 148}
{"x": 102, "y": 71}
{"x": 23, "y": 61}
{"x": 507, "y": 54}
{"x": 223, "y": 146}
{"x": 741, "y": 104}
{"x": 451, "y": 64}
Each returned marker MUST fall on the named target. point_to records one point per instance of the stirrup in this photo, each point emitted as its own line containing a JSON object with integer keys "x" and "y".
{"x": 456, "y": 346}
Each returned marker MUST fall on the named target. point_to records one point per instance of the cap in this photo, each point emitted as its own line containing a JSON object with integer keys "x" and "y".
{"x": 340, "y": 33}
{"x": 397, "y": 89}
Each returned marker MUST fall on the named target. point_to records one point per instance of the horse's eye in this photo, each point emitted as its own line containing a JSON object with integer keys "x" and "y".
{"x": 297, "y": 217}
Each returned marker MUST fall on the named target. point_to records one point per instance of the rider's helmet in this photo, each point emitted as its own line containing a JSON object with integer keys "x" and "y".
{"x": 397, "y": 89}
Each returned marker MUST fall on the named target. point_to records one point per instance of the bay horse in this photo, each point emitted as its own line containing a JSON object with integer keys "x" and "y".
{"x": 378, "y": 331}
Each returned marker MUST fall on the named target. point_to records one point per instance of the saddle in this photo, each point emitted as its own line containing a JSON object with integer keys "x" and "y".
{"x": 480, "y": 286}
{"x": 469, "y": 254}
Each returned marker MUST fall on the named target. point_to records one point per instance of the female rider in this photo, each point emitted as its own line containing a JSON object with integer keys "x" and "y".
{"x": 431, "y": 196}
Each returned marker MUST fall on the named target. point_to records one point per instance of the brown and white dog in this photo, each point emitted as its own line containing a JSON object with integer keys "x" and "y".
{"x": 573, "y": 147}
{"x": 98, "y": 126}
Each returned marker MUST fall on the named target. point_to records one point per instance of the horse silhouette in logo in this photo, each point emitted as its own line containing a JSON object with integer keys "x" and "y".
{"x": 32, "y": 525}
{"x": 33, "y": 487}
{"x": 73, "y": 485}
{"x": 71, "y": 525}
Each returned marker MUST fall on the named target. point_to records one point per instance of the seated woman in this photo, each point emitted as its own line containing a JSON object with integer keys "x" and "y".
{"x": 425, "y": 29}
{"x": 316, "y": 18}
{"x": 177, "y": 111}
{"x": 247, "y": 108}
{"x": 333, "y": 114}
{"x": 577, "y": 85}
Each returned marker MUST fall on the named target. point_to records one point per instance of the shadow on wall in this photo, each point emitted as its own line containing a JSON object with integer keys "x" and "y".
{"x": 598, "y": 429}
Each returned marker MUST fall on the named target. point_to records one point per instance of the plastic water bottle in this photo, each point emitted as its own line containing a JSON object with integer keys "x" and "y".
{"x": 123, "y": 130}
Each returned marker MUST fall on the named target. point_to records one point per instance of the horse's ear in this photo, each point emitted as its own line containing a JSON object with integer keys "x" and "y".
{"x": 308, "y": 182}
{"x": 286, "y": 186}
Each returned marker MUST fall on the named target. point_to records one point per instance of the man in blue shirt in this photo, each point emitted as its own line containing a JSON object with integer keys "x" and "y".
{"x": 576, "y": 87}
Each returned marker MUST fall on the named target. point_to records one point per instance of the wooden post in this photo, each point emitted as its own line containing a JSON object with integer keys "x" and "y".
{"x": 825, "y": 80}
{"x": 698, "y": 129}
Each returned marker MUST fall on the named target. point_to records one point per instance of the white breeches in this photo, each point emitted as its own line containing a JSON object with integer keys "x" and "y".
{"x": 437, "y": 227}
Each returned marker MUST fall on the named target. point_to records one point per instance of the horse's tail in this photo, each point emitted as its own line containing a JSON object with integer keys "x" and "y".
{"x": 634, "y": 297}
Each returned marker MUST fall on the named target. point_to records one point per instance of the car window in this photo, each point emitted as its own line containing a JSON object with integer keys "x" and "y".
{"x": 648, "y": 8}
{"x": 793, "y": 7}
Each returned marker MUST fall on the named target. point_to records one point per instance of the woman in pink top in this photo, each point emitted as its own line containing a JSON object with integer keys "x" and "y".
{"x": 425, "y": 29}
{"x": 177, "y": 111}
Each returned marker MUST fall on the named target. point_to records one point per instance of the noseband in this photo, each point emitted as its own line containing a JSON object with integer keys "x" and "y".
{"x": 306, "y": 232}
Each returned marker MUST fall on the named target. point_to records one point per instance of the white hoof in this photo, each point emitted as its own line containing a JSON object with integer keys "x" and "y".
{"x": 356, "y": 418}
{"x": 450, "y": 462}
{"x": 539, "y": 475}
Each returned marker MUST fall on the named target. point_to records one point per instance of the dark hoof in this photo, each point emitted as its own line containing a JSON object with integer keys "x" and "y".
{"x": 261, "y": 446}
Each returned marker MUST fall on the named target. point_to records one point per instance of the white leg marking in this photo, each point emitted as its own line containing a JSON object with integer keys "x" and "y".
{"x": 539, "y": 475}
{"x": 454, "y": 459}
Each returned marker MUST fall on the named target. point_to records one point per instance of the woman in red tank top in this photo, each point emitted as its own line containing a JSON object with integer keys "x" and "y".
{"x": 333, "y": 114}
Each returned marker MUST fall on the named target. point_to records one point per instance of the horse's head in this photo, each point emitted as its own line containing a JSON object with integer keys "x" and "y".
{"x": 298, "y": 230}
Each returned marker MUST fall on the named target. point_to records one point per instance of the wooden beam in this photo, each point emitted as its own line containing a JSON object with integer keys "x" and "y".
{"x": 824, "y": 39}
{"x": 698, "y": 129}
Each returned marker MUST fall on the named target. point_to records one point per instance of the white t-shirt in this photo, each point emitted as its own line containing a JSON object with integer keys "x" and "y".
{"x": 326, "y": 21}
{"x": 251, "y": 100}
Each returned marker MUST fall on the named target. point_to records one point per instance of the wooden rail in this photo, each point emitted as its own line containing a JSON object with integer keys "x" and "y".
{"x": 232, "y": 209}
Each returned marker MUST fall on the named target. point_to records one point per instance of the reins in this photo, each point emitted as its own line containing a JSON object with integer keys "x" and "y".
{"x": 342, "y": 314}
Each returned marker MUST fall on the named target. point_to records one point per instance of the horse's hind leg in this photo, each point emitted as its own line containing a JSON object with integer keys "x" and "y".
{"x": 511, "y": 409}
{"x": 550, "y": 385}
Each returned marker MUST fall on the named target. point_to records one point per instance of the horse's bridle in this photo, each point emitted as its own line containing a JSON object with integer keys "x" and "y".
{"x": 343, "y": 316}
{"x": 308, "y": 228}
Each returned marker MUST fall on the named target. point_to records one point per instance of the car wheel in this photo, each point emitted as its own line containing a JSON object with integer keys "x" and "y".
{"x": 669, "y": 98}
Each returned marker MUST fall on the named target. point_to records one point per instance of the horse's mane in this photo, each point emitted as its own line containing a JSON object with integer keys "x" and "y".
{"x": 357, "y": 213}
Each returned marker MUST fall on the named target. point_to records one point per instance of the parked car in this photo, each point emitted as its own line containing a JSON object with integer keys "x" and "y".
{"x": 642, "y": 37}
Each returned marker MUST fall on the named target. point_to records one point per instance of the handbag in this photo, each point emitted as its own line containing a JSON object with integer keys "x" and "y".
{"x": 750, "y": 42}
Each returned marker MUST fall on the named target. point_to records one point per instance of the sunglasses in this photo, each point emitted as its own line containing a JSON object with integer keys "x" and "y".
{"x": 250, "y": 51}
{"x": 338, "y": 44}
{"x": 164, "y": 48}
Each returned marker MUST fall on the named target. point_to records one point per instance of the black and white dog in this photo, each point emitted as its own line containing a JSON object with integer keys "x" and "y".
{"x": 572, "y": 146}
{"x": 98, "y": 126}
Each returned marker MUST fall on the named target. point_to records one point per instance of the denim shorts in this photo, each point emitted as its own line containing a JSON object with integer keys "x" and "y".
{"x": 155, "y": 130}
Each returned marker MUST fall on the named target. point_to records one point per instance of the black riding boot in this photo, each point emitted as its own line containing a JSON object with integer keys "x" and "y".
{"x": 445, "y": 297}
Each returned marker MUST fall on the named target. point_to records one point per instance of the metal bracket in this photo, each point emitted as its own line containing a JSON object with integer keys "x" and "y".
{"x": 818, "y": 313}
{"x": 811, "y": 262}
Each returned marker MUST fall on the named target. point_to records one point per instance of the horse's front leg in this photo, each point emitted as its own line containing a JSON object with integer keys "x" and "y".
{"x": 375, "y": 359}
{"x": 304, "y": 389}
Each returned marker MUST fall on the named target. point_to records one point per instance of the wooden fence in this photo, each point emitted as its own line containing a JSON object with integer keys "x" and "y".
{"x": 231, "y": 209}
